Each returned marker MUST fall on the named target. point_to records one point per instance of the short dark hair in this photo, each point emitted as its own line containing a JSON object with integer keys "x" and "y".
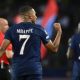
{"x": 24, "y": 9}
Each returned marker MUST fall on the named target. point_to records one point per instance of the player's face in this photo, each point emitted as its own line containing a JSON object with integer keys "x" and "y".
{"x": 33, "y": 16}
{"x": 4, "y": 25}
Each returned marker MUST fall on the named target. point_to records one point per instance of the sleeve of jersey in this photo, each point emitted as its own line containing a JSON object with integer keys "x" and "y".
{"x": 8, "y": 35}
{"x": 73, "y": 43}
{"x": 45, "y": 37}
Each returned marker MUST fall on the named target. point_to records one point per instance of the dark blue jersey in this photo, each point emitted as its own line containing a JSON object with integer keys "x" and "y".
{"x": 26, "y": 40}
{"x": 75, "y": 45}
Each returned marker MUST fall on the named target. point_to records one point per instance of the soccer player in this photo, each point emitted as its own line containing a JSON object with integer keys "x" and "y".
{"x": 4, "y": 60}
{"x": 73, "y": 53}
{"x": 26, "y": 39}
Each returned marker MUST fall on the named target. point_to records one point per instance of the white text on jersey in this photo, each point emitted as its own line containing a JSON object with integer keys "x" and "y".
{"x": 24, "y": 30}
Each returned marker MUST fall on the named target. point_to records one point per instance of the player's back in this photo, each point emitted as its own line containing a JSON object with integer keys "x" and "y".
{"x": 26, "y": 39}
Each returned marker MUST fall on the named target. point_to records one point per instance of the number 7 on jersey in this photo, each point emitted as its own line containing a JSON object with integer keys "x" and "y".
{"x": 26, "y": 37}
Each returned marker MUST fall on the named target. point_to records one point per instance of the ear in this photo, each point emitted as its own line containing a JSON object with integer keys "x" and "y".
{"x": 30, "y": 17}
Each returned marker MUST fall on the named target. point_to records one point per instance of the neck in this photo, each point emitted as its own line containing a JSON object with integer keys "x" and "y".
{"x": 26, "y": 20}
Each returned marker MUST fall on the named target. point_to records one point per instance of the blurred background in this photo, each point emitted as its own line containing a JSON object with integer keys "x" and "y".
{"x": 67, "y": 12}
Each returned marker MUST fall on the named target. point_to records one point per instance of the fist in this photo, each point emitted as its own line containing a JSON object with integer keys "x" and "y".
{"x": 57, "y": 27}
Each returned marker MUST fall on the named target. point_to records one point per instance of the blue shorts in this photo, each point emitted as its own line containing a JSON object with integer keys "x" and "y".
{"x": 28, "y": 77}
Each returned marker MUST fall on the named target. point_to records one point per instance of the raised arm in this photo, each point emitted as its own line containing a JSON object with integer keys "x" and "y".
{"x": 53, "y": 45}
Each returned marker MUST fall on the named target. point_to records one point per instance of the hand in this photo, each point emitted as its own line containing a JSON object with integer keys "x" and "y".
{"x": 57, "y": 27}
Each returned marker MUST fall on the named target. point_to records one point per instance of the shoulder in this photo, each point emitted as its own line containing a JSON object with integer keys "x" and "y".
{"x": 10, "y": 30}
{"x": 13, "y": 27}
{"x": 1, "y": 34}
{"x": 75, "y": 38}
{"x": 39, "y": 27}
{"x": 1, "y": 37}
{"x": 76, "y": 35}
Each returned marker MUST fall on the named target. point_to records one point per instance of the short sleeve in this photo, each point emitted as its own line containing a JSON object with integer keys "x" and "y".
{"x": 8, "y": 34}
{"x": 73, "y": 43}
{"x": 45, "y": 37}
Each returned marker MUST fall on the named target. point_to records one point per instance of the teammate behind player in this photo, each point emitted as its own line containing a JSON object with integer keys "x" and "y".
{"x": 73, "y": 53}
{"x": 4, "y": 63}
{"x": 26, "y": 39}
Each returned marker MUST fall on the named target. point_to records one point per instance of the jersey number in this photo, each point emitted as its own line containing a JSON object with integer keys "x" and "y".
{"x": 26, "y": 37}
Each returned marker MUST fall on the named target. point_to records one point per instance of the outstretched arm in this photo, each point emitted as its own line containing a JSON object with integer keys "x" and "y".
{"x": 3, "y": 47}
{"x": 53, "y": 45}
